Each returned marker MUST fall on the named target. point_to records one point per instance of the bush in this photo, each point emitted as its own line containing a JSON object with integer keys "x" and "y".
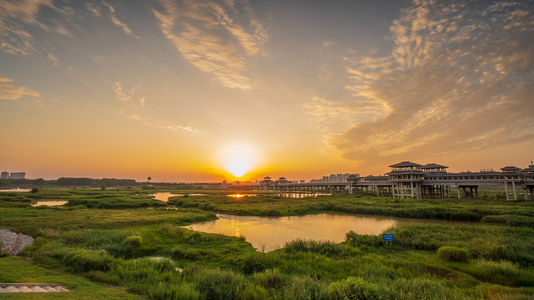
{"x": 84, "y": 260}
{"x": 255, "y": 292}
{"x": 272, "y": 279}
{"x": 134, "y": 240}
{"x": 353, "y": 288}
{"x": 304, "y": 288}
{"x": 450, "y": 253}
{"x": 218, "y": 284}
{"x": 166, "y": 291}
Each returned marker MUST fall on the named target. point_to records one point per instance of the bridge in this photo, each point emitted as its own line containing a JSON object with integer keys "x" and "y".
{"x": 408, "y": 179}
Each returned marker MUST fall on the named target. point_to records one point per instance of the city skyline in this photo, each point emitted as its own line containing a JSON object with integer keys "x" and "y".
{"x": 205, "y": 91}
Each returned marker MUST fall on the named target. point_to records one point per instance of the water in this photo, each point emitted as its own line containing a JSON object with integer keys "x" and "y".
{"x": 267, "y": 234}
{"x": 49, "y": 203}
{"x": 165, "y": 196}
{"x": 283, "y": 195}
{"x": 15, "y": 190}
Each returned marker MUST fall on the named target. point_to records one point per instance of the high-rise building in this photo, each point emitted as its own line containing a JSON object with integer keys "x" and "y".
{"x": 17, "y": 175}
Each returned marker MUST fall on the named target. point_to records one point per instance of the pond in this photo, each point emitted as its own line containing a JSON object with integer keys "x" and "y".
{"x": 15, "y": 190}
{"x": 268, "y": 234}
{"x": 165, "y": 196}
{"x": 49, "y": 203}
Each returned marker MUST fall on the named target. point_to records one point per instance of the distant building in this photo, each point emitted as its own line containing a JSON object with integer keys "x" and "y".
{"x": 17, "y": 175}
{"x": 5, "y": 175}
{"x": 333, "y": 178}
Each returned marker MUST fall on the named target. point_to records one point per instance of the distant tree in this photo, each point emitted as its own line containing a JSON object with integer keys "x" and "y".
{"x": 149, "y": 178}
{"x": 103, "y": 187}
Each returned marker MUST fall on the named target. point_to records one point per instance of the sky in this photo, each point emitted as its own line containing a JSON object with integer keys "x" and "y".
{"x": 204, "y": 91}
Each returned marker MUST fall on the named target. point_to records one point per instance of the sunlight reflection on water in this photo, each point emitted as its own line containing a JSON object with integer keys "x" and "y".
{"x": 272, "y": 233}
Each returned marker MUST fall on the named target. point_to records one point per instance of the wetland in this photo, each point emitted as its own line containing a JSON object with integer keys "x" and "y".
{"x": 443, "y": 248}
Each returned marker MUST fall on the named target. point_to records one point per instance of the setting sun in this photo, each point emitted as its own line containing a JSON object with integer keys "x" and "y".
{"x": 239, "y": 159}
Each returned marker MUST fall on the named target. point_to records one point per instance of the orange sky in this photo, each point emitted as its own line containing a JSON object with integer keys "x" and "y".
{"x": 197, "y": 90}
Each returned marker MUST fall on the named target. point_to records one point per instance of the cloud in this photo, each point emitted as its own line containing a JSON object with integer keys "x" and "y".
{"x": 11, "y": 91}
{"x": 216, "y": 38}
{"x": 459, "y": 79}
{"x": 126, "y": 96}
{"x": 94, "y": 9}
{"x": 114, "y": 18}
{"x": 158, "y": 124}
{"x": 18, "y": 17}
{"x": 14, "y": 38}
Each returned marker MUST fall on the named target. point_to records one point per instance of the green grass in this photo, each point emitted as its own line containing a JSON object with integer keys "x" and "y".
{"x": 490, "y": 210}
{"x": 16, "y": 270}
{"x": 112, "y": 240}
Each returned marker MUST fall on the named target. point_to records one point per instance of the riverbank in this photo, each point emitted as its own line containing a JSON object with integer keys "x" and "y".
{"x": 12, "y": 243}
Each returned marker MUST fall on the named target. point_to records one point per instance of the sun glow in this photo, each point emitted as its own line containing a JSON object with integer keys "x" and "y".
{"x": 239, "y": 159}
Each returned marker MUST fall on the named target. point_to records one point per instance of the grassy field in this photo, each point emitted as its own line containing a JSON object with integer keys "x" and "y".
{"x": 124, "y": 244}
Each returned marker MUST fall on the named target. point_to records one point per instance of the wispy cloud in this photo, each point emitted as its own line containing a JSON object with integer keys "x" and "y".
{"x": 11, "y": 91}
{"x": 159, "y": 124}
{"x": 114, "y": 18}
{"x": 17, "y": 17}
{"x": 458, "y": 79}
{"x": 94, "y": 9}
{"x": 127, "y": 96}
{"x": 215, "y": 37}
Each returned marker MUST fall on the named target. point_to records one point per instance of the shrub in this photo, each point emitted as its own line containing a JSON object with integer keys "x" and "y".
{"x": 84, "y": 260}
{"x": 353, "y": 288}
{"x": 172, "y": 230}
{"x": 134, "y": 240}
{"x": 269, "y": 279}
{"x": 303, "y": 288}
{"x": 451, "y": 253}
{"x": 166, "y": 291}
{"x": 218, "y": 284}
{"x": 255, "y": 292}
{"x": 254, "y": 262}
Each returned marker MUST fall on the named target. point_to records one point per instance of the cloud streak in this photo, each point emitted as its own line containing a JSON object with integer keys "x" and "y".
{"x": 114, "y": 18}
{"x": 11, "y": 91}
{"x": 126, "y": 96}
{"x": 210, "y": 36}
{"x": 19, "y": 18}
{"x": 458, "y": 79}
{"x": 174, "y": 127}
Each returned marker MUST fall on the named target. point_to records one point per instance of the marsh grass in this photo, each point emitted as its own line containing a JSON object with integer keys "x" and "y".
{"x": 146, "y": 252}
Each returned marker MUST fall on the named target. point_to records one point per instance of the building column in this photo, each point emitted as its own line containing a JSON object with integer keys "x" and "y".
{"x": 506, "y": 190}
{"x": 515, "y": 193}
{"x": 459, "y": 194}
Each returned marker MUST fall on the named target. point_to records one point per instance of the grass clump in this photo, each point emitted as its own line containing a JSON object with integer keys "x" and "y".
{"x": 134, "y": 241}
{"x": 451, "y": 253}
{"x": 220, "y": 284}
{"x": 354, "y": 288}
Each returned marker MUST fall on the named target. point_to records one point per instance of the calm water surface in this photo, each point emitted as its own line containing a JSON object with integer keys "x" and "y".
{"x": 267, "y": 234}
{"x": 165, "y": 196}
{"x": 49, "y": 203}
{"x": 15, "y": 190}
